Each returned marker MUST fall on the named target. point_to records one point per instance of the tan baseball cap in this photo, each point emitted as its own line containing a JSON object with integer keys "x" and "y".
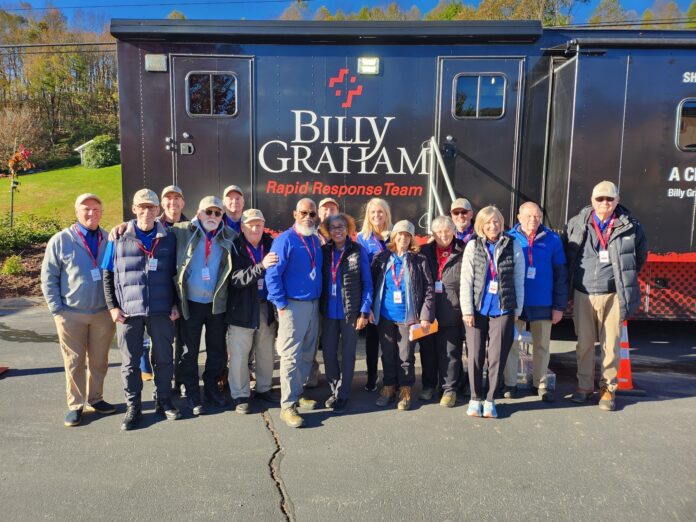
{"x": 145, "y": 197}
{"x": 606, "y": 189}
{"x": 169, "y": 189}
{"x": 252, "y": 214}
{"x": 328, "y": 200}
{"x": 209, "y": 202}
{"x": 235, "y": 188}
{"x": 84, "y": 197}
{"x": 403, "y": 226}
{"x": 461, "y": 203}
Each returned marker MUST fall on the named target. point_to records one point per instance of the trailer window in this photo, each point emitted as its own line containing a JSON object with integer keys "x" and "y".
{"x": 479, "y": 96}
{"x": 686, "y": 137}
{"x": 211, "y": 94}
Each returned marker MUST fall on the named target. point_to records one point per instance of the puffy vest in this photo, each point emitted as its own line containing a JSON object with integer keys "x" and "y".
{"x": 351, "y": 282}
{"x": 505, "y": 265}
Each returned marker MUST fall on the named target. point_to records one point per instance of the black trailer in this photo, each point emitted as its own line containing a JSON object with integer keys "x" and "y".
{"x": 420, "y": 113}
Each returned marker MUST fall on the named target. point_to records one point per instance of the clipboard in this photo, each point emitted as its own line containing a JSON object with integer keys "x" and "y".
{"x": 416, "y": 331}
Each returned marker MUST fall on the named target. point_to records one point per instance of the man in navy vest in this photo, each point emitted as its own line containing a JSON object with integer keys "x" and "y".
{"x": 138, "y": 271}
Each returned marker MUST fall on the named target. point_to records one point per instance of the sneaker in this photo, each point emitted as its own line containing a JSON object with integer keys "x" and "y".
{"x": 404, "y": 398}
{"x": 291, "y": 417}
{"x": 340, "y": 406}
{"x": 426, "y": 394}
{"x": 330, "y": 401}
{"x": 242, "y": 405}
{"x": 449, "y": 399}
{"x": 268, "y": 396}
{"x": 474, "y": 409}
{"x": 580, "y": 397}
{"x": 546, "y": 395}
{"x": 196, "y": 406}
{"x": 166, "y": 407}
{"x": 489, "y": 411}
{"x": 606, "y": 400}
{"x": 307, "y": 404}
{"x": 102, "y": 407}
{"x": 386, "y": 395}
{"x": 371, "y": 384}
{"x": 130, "y": 421}
{"x": 73, "y": 418}
{"x": 510, "y": 392}
{"x": 146, "y": 376}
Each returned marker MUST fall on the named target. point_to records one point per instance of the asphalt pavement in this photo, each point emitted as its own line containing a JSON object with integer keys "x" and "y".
{"x": 536, "y": 462}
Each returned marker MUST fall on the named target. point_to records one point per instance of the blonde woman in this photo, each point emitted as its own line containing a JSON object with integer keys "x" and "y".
{"x": 491, "y": 297}
{"x": 373, "y": 237}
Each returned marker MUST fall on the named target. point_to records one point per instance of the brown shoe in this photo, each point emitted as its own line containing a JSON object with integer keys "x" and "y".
{"x": 606, "y": 400}
{"x": 291, "y": 417}
{"x": 404, "y": 398}
{"x": 386, "y": 395}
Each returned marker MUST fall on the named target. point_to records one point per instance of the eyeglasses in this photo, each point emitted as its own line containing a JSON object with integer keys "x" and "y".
{"x": 600, "y": 199}
{"x": 305, "y": 213}
{"x": 337, "y": 228}
{"x": 209, "y": 212}
{"x": 460, "y": 212}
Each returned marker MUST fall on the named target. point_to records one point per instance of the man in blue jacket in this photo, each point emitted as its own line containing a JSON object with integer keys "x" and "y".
{"x": 294, "y": 287}
{"x": 545, "y": 295}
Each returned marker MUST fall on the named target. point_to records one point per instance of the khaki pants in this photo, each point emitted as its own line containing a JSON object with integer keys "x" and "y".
{"x": 84, "y": 344}
{"x": 541, "y": 340}
{"x": 597, "y": 319}
{"x": 240, "y": 342}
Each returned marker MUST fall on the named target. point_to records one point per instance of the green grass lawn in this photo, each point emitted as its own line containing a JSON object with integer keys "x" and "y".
{"x": 52, "y": 193}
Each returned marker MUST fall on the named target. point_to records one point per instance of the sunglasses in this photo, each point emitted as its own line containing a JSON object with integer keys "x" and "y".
{"x": 460, "y": 212}
{"x": 305, "y": 213}
{"x": 603, "y": 198}
{"x": 209, "y": 212}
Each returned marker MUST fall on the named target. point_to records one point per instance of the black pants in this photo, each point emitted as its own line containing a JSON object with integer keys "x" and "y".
{"x": 371, "y": 351}
{"x": 398, "y": 354}
{"x": 178, "y": 352}
{"x": 215, "y": 345}
{"x": 446, "y": 346}
{"x": 499, "y": 331}
{"x": 339, "y": 376}
{"x": 428, "y": 359}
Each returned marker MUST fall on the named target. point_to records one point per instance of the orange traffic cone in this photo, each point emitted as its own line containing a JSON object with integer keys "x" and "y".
{"x": 625, "y": 376}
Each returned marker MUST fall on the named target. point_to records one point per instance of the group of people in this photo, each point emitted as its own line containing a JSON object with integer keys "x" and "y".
{"x": 465, "y": 289}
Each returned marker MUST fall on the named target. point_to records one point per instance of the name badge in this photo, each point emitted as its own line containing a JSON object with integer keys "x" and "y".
{"x": 205, "y": 273}
{"x": 603, "y": 256}
{"x": 531, "y": 272}
{"x": 493, "y": 287}
{"x": 333, "y": 289}
{"x": 152, "y": 264}
{"x": 438, "y": 287}
{"x": 397, "y": 297}
{"x": 260, "y": 284}
{"x": 96, "y": 274}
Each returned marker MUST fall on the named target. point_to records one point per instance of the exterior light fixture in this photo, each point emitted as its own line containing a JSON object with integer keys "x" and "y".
{"x": 368, "y": 65}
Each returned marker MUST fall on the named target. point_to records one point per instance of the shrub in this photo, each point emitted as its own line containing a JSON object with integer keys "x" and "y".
{"x": 102, "y": 152}
{"x": 28, "y": 230}
{"x": 12, "y": 266}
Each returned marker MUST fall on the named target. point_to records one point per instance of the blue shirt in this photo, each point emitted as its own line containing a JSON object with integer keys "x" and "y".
{"x": 335, "y": 303}
{"x": 234, "y": 225}
{"x": 468, "y": 233}
{"x": 257, "y": 256}
{"x": 491, "y": 302}
{"x": 372, "y": 245}
{"x": 602, "y": 227}
{"x": 198, "y": 289}
{"x": 146, "y": 238}
{"x": 391, "y": 310}
{"x": 92, "y": 238}
{"x": 290, "y": 277}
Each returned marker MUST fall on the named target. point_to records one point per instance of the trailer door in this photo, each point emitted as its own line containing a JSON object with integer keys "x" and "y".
{"x": 211, "y": 125}
{"x": 478, "y": 127}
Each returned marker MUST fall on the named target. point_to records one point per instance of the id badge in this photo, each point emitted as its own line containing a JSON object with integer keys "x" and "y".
{"x": 96, "y": 274}
{"x": 397, "y": 297}
{"x": 493, "y": 287}
{"x": 333, "y": 289}
{"x": 152, "y": 264}
{"x": 531, "y": 272}
{"x": 205, "y": 273}
{"x": 603, "y": 256}
{"x": 260, "y": 284}
{"x": 438, "y": 287}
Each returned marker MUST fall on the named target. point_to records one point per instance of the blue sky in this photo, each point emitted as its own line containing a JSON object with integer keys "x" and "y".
{"x": 265, "y": 9}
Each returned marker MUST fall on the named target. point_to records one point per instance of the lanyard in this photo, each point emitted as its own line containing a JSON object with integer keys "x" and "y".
{"x": 442, "y": 257}
{"x": 466, "y": 236}
{"x": 335, "y": 264}
{"x": 603, "y": 237}
{"x": 530, "y": 255}
{"x": 252, "y": 253}
{"x": 312, "y": 255}
{"x": 491, "y": 265}
{"x": 89, "y": 250}
{"x": 381, "y": 247}
{"x": 149, "y": 253}
{"x": 208, "y": 245}
{"x": 397, "y": 281}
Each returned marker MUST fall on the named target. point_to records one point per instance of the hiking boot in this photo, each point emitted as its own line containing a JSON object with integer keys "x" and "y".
{"x": 510, "y": 392}
{"x": 330, "y": 401}
{"x": 475, "y": 409}
{"x": 546, "y": 395}
{"x": 606, "y": 400}
{"x": 242, "y": 405}
{"x": 166, "y": 407}
{"x": 580, "y": 397}
{"x": 426, "y": 394}
{"x": 102, "y": 407}
{"x": 307, "y": 404}
{"x": 196, "y": 406}
{"x": 130, "y": 420}
{"x": 404, "y": 398}
{"x": 146, "y": 376}
{"x": 449, "y": 399}
{"x": 386, "y": 395}
{"x": 489, "y": 411}
{"x": 291, "y": 417}
{"x": 73, "y": 418}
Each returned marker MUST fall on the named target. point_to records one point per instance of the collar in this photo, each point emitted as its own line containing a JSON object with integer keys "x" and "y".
{"x": 85, "y": 231}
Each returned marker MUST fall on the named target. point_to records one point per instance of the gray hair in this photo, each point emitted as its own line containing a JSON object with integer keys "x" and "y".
{"x": 305, "y": 200}
{"x": 443, "y": 221}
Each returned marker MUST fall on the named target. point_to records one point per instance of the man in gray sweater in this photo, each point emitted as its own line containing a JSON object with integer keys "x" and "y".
{"x": 71, "y": 282}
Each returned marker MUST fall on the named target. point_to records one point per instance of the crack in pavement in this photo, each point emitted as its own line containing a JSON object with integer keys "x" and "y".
{"x": 286, "y": 506}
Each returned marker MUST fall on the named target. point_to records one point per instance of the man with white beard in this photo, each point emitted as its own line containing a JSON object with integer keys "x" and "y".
{"x": 294, "y": 286}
